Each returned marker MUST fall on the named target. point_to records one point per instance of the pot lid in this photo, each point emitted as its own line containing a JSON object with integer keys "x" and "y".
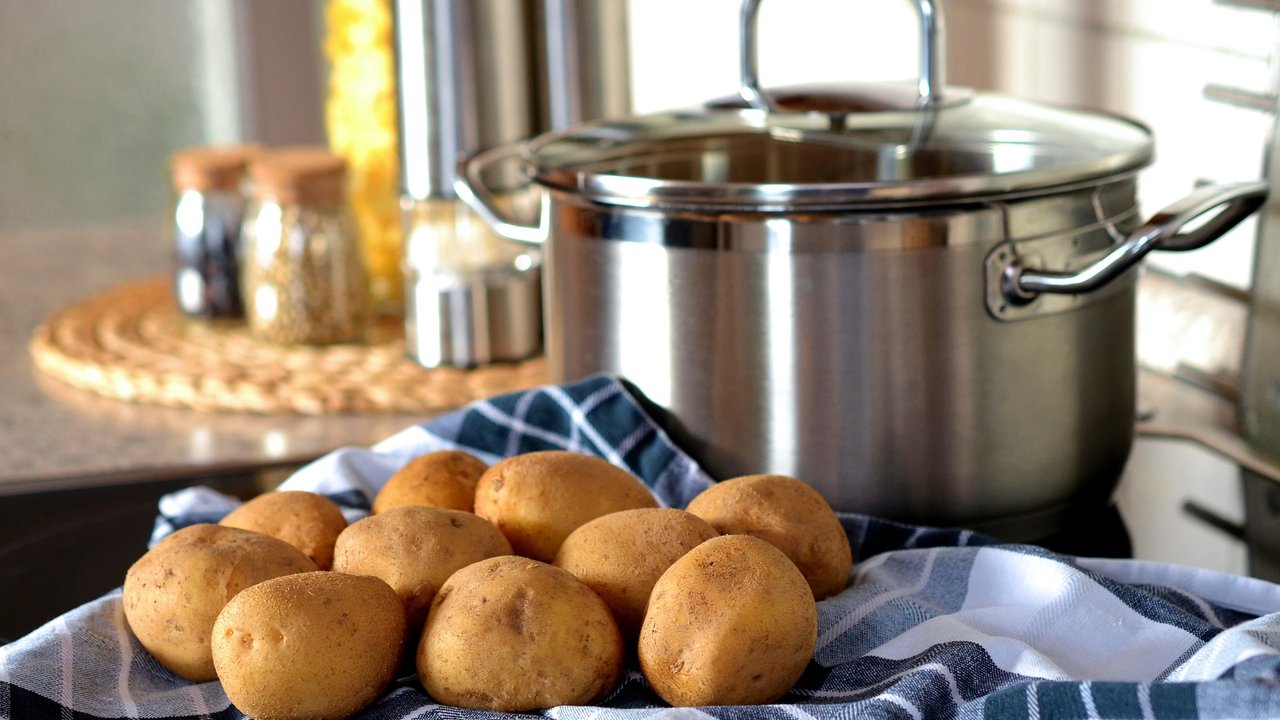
{"x": 839, "y": 149}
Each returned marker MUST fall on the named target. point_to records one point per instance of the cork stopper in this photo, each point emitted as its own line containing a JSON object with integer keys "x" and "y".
{"x": 219, "y": 167}
{"x": 304, "y": 175}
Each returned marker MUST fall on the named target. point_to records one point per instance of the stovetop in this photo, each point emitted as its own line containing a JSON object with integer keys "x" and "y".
{"x": 1185, "y": 504}
{"x": 60, "y": 549}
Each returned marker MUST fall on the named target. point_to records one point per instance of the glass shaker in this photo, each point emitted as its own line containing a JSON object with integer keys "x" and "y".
{"x": 208, "y": 212}
{"x": 304, "y": 279}
{"x": 471, "y": 297}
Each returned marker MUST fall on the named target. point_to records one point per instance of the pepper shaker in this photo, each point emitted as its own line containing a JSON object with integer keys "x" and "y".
{"x": 208, "y": 212}
{"x": 304, "y": 279}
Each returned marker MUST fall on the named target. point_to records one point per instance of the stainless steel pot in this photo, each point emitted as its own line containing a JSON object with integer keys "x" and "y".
{"x": 925, "y": 309}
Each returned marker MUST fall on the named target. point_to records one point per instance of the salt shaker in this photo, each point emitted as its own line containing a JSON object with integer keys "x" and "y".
{"x": 208, "y": 212}
{"x": 304, "y": 280}
{"x": 471, "y": 297}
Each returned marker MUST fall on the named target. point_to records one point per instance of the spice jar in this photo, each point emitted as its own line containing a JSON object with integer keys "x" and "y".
{"x": 304, "y": 280}
{"x": 208, "y": 211}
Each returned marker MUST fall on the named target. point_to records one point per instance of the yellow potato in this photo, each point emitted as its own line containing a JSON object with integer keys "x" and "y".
{"x": 174, "y": 592}
{"x": 789, "y": 514}
{"x": 414, "y": 549}
{"x": 537, "y": 499}
{"x": 319, "y": 646}
{"x": 513, "y": 634}
{"x": 621, "y": 555}
{"x": 443, "y": 479}
{"x": 305, "y": 520}
{"x": 731, "y": 623}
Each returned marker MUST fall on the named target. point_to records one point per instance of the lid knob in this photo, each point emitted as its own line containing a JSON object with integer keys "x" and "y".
{"x": 930, "y": 85}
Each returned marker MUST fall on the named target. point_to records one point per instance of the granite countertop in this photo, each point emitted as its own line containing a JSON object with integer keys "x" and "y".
{"x": 52, "y": 435}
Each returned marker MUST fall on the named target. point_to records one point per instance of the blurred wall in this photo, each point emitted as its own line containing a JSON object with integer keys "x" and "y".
{"x": 94, "y": 96}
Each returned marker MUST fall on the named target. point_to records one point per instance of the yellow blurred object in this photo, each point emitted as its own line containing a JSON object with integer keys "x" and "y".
{"x": 360, "y": 116}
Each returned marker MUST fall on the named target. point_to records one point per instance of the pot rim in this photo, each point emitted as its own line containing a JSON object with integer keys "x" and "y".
{"x": 825, "y": 198}
{"x": 986, "y": 148}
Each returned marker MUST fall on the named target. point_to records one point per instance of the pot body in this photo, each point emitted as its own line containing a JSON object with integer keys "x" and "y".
{"x": 862, "y": 351}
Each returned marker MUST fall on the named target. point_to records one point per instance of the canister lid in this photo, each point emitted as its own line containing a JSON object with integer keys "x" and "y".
{"x": 214, "y": 167}
{"x": 307, "y": 175}
{"x": 974, "y": 146}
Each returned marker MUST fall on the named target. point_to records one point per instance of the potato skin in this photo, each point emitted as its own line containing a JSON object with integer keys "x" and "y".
{"x": 316, "y": 645}
{"x": 621, "y": 555}
{"x": 513, "y": 634}
{"x": 537, "y": 499}
{"x": 443, "y": 479}
{"x": 173, "y": 593}
{"x": 414, "y": 549}
{"x": 731, "y": 623}
{"x": 792, "y": 516}
{"x": 305, "y": 520}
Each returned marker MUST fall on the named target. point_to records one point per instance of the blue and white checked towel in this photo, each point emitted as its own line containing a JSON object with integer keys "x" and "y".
{"x": 936, "y": 624}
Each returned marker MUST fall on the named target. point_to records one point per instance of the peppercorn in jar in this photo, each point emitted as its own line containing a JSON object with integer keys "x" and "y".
{"x": 304, "y": 280}
{"x": 208, "y": 211}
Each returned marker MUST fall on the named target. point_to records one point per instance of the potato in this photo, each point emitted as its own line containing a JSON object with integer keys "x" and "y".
{"x": 789, "y": 514}
{"x": 174, "y": 592}
{"x": 443, "y": 479}
{"x": 513, "y": 634}
{"x": 731, "y": 623}
{"x": 414, "y": 549}
{"x": 316, "y": 645}
{"x": 621, "y": 555}
{"x": 305, "y": 520}
{"x": 538, "y": 498}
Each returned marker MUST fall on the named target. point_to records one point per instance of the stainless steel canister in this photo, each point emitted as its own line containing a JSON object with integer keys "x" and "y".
{"x": 473, "y": 74}
{"x": 918, "y": 299}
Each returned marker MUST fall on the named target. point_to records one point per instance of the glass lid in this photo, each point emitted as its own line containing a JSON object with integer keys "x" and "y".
{"x": 970, "y": 147}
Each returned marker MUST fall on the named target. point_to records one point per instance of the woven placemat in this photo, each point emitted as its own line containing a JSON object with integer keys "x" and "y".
{"x": 132, "y": 343}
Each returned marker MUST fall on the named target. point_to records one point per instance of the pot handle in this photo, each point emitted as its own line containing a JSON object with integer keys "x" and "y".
{"x": 470, "y": 187}
{"x": 930, "y": 84}
{"x": 1163, "y": 231}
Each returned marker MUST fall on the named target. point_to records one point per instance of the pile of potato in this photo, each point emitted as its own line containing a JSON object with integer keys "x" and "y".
{"x": 515, "y": 587}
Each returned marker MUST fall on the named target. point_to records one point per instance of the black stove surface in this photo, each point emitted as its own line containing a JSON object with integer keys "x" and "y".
{"x": 60, "y": 549}
{"x": 1098, "y": 533}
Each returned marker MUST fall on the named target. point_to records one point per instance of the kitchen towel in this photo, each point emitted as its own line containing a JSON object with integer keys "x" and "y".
{"x": 935, "y": 623}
